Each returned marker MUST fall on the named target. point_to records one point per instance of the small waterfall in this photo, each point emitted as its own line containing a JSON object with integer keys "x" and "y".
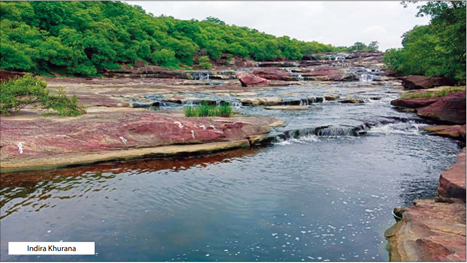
{"x": 314, "y": 100}
{"x": 366, "y": 78}
{"x": 203, "y": 76}
{"x": 236, "y": 104}
{"x": 189, "y": 103}
{"x": 297, "y": 75}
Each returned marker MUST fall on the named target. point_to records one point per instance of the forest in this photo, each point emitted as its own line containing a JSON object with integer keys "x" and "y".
{"x": 82, "y": 38}
{"x": 437, "y": 49}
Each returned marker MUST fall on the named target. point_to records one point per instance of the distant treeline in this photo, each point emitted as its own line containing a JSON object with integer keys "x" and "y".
{"x": 437, "y": 49}
{"x": 84, "y": 37}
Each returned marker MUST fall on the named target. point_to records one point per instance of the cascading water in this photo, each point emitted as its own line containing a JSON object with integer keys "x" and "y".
{"x": 236, "y": 104}
{"x": 365, "y": 78}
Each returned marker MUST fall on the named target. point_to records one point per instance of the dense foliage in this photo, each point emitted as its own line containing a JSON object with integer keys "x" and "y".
{"x": 28, "y": 90}
{"x": 204, "y": 110}
{"x": 84, "y": 37}
{"x": 437, "y": 49}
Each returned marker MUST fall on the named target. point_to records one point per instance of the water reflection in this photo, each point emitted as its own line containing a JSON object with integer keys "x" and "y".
{"x": 24, "y": 186}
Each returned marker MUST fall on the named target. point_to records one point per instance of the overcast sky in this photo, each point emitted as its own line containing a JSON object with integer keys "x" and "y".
{"x": 336, "y": 23}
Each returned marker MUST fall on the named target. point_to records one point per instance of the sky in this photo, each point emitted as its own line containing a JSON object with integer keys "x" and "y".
{"x": 338, "y": 23}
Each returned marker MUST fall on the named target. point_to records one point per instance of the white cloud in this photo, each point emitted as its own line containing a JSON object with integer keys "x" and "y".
{"x": 336, "y": 23}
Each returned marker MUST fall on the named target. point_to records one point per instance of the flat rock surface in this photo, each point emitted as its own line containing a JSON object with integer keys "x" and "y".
{"x": 453, "y": 131}
{"x": 429, "y": 231}
{"x": 51, "y": 141}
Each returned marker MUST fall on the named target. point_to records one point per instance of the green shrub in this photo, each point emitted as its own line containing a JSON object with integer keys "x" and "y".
{"x": 204, "y": 110}
{"x": 29, "y": 90}
{"x": 204, "y": 62}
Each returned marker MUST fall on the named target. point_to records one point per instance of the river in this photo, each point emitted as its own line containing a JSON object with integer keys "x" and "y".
{"x": 324, "y": 189}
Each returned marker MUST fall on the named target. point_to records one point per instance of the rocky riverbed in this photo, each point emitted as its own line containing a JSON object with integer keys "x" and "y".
{"x": 314, "y": 111}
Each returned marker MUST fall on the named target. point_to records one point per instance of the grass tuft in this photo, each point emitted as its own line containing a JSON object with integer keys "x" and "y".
{"x": 204, "y": 110}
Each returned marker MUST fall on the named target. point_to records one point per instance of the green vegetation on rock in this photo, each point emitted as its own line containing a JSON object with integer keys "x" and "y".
{"x": 29, "y": 90}
{"x": 429, "y": 94}
{"x": 84, "y": 37}
{"x": 204, "y": 110}
{"x": 437, "y": 49}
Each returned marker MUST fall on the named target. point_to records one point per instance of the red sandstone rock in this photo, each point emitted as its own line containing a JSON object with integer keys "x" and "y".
{"x": 326, "y": 73}
{"x": 422, "y": 82}
{"x": 447, "y": 109}
{"x": 273, "y": 74}
{"x": 453, "y": 131}
{"x": 450, "y": 108}
{"x": 433, "y": 230}
{"x": 452, "y": 181}
{"x": 99, "y": 133}
{"x": 250, "y": 79}
{"x": 429, "y": 231}
{"x": 414, "y": 103}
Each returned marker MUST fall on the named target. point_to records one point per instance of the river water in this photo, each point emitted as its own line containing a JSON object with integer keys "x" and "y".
{"x": 323, "y": 190}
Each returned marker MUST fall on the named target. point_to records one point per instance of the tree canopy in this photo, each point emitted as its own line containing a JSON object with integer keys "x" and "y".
{"x": 84, "y": 37}
{"x": 437, "y": 49}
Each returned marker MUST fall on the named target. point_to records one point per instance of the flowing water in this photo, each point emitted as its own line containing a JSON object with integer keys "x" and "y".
{"x": 324, "y": 189}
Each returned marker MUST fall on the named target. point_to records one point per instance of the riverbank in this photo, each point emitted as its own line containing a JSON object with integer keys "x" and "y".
{"x": 435, "y": 229}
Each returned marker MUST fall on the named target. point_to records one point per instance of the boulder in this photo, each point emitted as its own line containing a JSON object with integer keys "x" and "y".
{"x": 421, "y": 82}
{"x": 452, "y": 181}
{"x": 247, "y": 79}
{"x": 274, "y": 74}
{"x": 352, "y": 100}
{"x": 447, "y": 109}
